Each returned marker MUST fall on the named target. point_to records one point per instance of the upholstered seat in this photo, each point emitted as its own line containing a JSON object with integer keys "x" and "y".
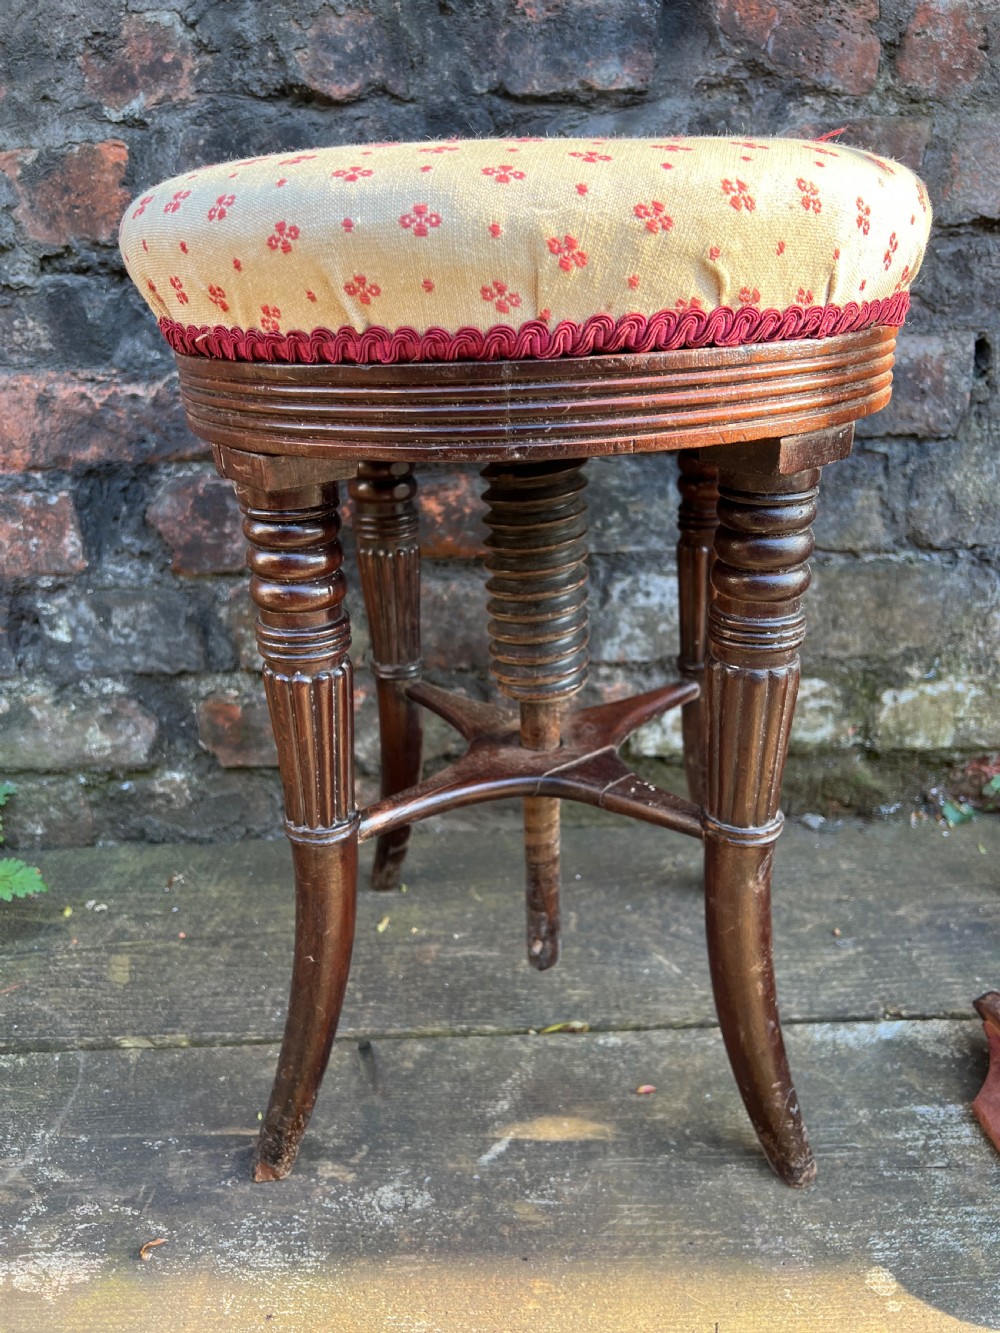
{"x": 515, "y": 248}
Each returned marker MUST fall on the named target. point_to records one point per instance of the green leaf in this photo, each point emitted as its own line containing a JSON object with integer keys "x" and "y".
{"x": 7, "y": 790}
{"x": 992, "y": 787}
{"x": 956, "y": 814}
{"x": 19, "y": 880}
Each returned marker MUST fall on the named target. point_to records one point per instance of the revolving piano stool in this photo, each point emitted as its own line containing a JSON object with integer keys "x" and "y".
{"x": 343, "y": 314}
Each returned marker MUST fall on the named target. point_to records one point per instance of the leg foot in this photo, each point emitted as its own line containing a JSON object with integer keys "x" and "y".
{"x": 325, "y": 889}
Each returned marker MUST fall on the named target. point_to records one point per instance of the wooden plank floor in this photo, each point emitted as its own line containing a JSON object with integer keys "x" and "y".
{"x": 463, "y": 1173}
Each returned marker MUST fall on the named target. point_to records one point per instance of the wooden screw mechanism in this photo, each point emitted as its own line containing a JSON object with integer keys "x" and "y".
{"x": 753, "y": 427}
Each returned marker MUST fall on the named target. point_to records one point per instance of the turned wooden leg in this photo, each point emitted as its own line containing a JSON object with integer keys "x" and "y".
{"x": 697, "y": 520}
{"x": 385, "y": 522}
{"x": 537, "y": 559}
{"x": 755, "y": 627}
{"x": 303, "y": 633}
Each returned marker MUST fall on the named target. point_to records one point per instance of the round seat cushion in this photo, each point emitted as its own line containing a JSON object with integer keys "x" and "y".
{"x": 503, "y": 248}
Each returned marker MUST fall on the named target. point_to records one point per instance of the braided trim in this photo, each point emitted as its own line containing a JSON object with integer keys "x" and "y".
{"x": 666, "y": 331}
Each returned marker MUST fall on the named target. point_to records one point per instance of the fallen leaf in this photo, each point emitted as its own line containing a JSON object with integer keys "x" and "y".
{"x": 150, "y": 1245}
{"x": 574, "y": 1025}
{"x": 383, "y": 925}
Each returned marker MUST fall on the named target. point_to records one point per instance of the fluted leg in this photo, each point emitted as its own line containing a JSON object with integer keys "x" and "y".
{"x": 303, "y": 633}
{"x": 755, "y": 628}
{"x": 697, "y": 520}
{"x": 385, "y": 522}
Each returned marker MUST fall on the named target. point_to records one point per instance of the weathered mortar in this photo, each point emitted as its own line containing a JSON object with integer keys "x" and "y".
{"x": 130, "y": 703}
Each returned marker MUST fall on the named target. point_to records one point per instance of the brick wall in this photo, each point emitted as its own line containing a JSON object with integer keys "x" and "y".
{"x": 130, "y": 703}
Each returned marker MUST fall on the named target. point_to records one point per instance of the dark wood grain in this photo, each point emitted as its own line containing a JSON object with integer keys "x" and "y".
{"x": 697, "y": 520}
{"x": 303, "y": 634}
{"x": 755, "y": 627}
{"x": 540, "y": 409}
{"x": 387, "y": 531}
{"x": 778, "y": 407}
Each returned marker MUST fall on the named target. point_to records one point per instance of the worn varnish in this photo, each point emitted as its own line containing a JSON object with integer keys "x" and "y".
{"x": 755, "y": 426}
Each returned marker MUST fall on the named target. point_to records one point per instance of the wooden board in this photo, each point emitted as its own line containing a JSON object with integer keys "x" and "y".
{"x": 500, "y": 1184}
{"x": 918, "y": 915}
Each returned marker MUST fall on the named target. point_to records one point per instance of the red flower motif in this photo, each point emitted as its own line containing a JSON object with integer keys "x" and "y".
{"x": 633, "y": 280}
{"x": 347, "y": 225}
{"x": 810, "y": 196}
{"x": 495, "y": 230}
{"x": 862, "y": 284}
{"x": 238, "y": 265}
{"x": 175, "y": 203}
{"x": 714, "y": 253}
{"x": 836, "y": 253}
{"x": 282, "y": 237}
{"x": 427, "y": 285}
{"x": 364, "y": 290}
{"x": 780, "y": 248}
{"x": 673, "y": 147}
{"x": 889, "y": 255}
{"x": 569, "y": 252}
{"x": 178, "y": 287}
{"x": 694, "y": 303}
{"x": 145, "y": 245}
{"x": 183, "y": 247}
{"x": 749, "y": 143}
{"x": 749, "y": 296}
{"x": 269, "y": 316}
{"x": 310, "y": 296}
{"x": 654, "y": 216}
{"x": 804, "y": 297}
{"x": 218, "y": 297}
{"x": 591, "y": 156}
{"x": 279, "y": 184}
{"x": 739, "y": 195}
{"x": 904, "y": 278}
{"x": 419, "y": 220}
{"x": 545, "y": 315}
{"x": 504, "y": 174}
{"x": 500, "y": 295}
{"x": 864, "y": 216}
{"x": 581, "y": 189}
{"x": 146, "y": 199}
{"x": 352, "y": 173}
{"x": 441, "y": 148}
{"x": 921, "y": 196}
{"x": 221, "y": 207}
{"x": 294, "y": 161}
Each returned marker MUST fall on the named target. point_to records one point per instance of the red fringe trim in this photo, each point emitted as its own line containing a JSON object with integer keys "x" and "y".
{"x": 666, "y": 331}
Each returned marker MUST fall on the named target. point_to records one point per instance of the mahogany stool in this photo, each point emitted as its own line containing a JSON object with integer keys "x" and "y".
{"x": 756, "y": 397}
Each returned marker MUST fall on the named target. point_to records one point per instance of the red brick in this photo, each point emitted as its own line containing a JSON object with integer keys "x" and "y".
{"x": 90, "y": 726}
{"x": 903, "y": 138}
{"x": 560, "y": 46}
{"x": 832, "y": 45}
{"x": 943, "y": 50}
{"x": 237, "y": 730}
{"x": 152, "y": 62}
{"x": 199, "y": 520}
{"x": 967, "y": 184}
{"x": 53, "y": 420}
{"x": 74, "y": 194}
{"x": 39, "y": 535}
{"x": 347, "y": 56}
{"x": 932, "y": 384}
{"x": 451, "y": 516}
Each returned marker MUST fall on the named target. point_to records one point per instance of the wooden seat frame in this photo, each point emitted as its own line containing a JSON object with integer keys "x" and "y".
{"x": 754, "y": 426}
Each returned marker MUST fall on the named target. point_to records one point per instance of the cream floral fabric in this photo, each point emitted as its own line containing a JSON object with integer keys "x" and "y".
{"x": 475, "y": 234}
